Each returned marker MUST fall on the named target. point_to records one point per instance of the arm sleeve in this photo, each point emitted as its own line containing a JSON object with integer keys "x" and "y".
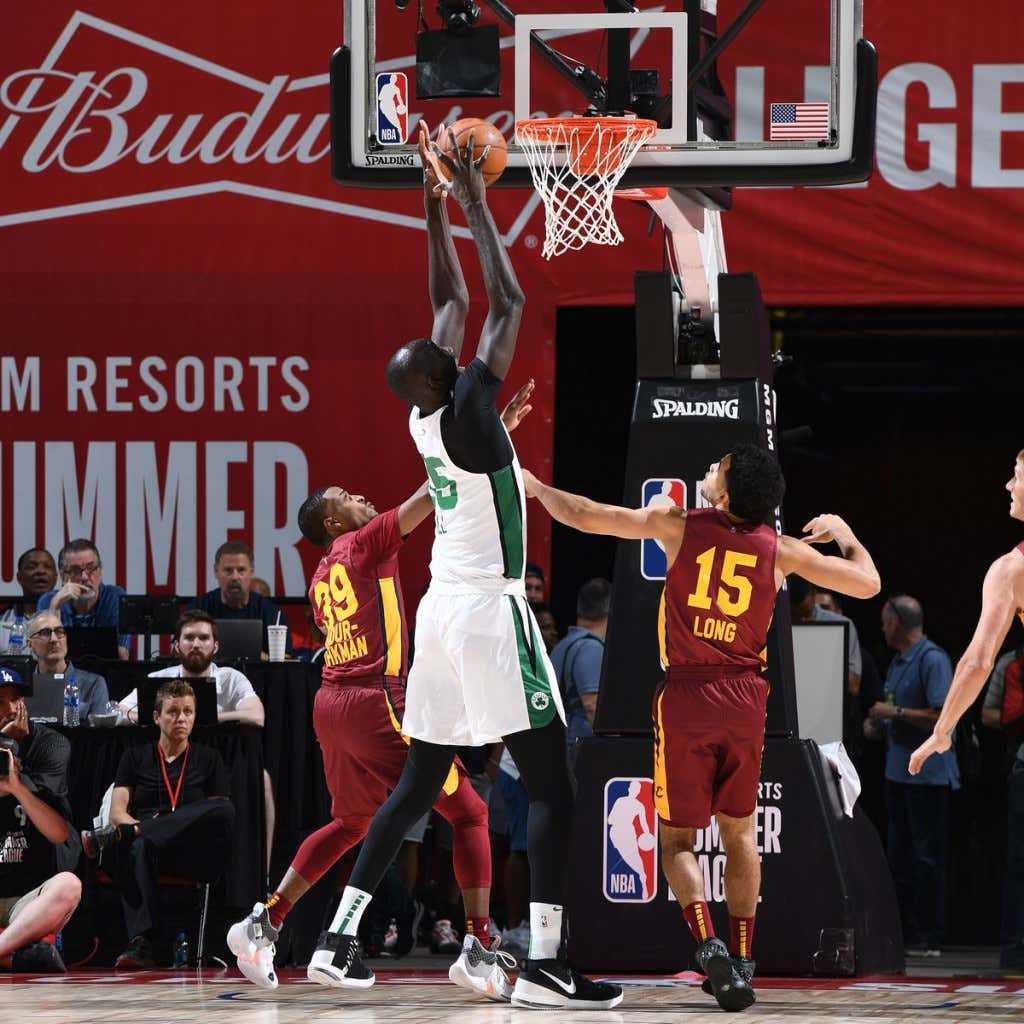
{"x": 98, "y": 697}
{"x": 45, "y": 770}
{"x": 44, "y": 602}
{"x": 997, "y": 682}
{"x": 239, "y": 689}
{"x": 474, "y": 434}
{"x": 938, "y": 675}
{"x": 475, "y": 390}
{"x": 378, "y": 540}
{"x": 218, "y": 784}
{"x": 126, "y": 771}
{"x": 586, "y": 667}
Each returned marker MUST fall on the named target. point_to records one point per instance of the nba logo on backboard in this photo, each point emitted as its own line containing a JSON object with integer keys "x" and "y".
{"x": 392, "y": 108}
{"x": 662, "y": 491}
{"x": 630, "y": 841}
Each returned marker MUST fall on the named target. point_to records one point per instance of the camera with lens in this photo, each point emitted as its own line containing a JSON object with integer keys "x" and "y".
{"x": 7, "y": 748}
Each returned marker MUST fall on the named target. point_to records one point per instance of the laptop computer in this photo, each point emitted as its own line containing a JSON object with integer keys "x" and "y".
{"x": 206, "y": 699}
{"x": 239, "y": 638}
{"x": 92, "y": 642}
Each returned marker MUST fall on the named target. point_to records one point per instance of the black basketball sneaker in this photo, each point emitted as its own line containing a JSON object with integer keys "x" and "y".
{"x": 336, "y": 963}
{"x": 551, "y": 984}
{"x": 745, "y": 967}
{"x": 728, "y": 984}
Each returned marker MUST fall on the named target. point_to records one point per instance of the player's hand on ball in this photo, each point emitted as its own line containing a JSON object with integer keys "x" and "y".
{"x": 467, "y": 182}
{"x": 435, "y": 184}
{"x": 519, "y": 408}
{"x": 825, "y": 528}
{"x": 937, "y": 743}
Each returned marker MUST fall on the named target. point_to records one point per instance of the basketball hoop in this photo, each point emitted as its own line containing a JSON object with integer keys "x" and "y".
{"x": 576, "y": 162}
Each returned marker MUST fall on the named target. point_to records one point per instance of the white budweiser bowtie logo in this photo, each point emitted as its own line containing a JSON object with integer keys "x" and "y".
{"x": 86, "y": 121}
{"x": 78, "y": 114}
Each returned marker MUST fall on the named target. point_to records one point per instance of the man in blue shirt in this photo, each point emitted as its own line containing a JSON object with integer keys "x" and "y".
{"x": 916, "y": 684}
{"x": 577, "y": 659}
{"x": 233, "y": 597}
{"x": 83, "y": 600}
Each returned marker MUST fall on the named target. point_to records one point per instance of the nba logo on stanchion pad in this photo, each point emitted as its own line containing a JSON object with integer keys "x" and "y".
{"x": 659, "y": 491}
{"x": 392, "y": 108}
{"x": 630, "y": 841}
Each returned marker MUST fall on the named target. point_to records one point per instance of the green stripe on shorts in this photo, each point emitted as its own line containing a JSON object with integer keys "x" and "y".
{"x": 510, "y": 520}
{"x": 536, "y": 686}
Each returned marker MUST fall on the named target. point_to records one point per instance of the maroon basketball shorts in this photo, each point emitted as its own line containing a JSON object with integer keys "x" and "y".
{"x": 358, "y": 727}
{"x": 708, "y": 739}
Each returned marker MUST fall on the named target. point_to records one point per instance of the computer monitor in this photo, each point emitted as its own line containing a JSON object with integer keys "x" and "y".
{"x": 239, "y": 638}
{"x": 92, "y": 642}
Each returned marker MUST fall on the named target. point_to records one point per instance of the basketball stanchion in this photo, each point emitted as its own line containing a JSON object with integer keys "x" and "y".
{"x": 576, "y": 162}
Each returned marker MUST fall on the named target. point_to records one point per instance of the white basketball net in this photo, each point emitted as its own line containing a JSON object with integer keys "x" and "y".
{"x": 576, "y": 164}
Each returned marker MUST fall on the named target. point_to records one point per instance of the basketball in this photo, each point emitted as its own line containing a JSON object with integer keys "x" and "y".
{"x": 484, "y": 134}
{"x": 645, "y": 841}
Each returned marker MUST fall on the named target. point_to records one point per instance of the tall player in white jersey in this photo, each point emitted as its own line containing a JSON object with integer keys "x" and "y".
{"x": 481, "y": 673}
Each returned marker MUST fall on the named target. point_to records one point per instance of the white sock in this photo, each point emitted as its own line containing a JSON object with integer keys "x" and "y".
{"x": 545, "y": 931}
{"x": 350, "y": 910}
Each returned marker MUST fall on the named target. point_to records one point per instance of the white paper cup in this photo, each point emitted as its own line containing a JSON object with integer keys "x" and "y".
{"x": 276, "y": 636}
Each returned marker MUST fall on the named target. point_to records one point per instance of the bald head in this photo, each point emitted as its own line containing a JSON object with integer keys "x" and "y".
{"x": 421, "y": 373}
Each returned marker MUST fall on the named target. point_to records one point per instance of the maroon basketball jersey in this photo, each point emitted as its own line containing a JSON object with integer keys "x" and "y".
{"x": 357, "y": 602}
{"x": 719, "y": 594}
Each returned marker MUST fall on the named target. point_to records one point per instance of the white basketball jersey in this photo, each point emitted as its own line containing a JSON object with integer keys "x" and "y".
{"x": 479, "y": 518}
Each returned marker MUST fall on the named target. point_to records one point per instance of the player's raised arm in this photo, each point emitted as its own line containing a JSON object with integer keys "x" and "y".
{"x": 664, "y": 522}
{"x": 999, "y": 603}
{"x": 449, "y": 296}
{"x": 854, "y": 574}
{"x": 504, "y": 296}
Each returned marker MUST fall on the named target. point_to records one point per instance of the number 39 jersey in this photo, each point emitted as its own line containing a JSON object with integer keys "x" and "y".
{"x": 357, "y": 602}
{"x": 479, "y": 518}
{"x": 719, "y": 594}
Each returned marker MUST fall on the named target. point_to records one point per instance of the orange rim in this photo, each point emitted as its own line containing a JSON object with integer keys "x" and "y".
{"x": 598, "y": 151}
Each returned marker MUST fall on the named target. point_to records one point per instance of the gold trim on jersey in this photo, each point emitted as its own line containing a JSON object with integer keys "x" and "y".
{"x": 392, "y": 626}
{"x": 661, "y": 805}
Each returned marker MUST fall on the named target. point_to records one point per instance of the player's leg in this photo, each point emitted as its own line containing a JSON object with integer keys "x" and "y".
{"x": 547, "y": 981}
{"x": 335, "y": 962}
{"x": 342, "y": 717}
{"x": 687, "y": 747}
{"x": 742, "y": 880}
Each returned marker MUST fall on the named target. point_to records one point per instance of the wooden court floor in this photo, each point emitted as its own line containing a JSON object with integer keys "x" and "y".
{"x": 222, "y": 997}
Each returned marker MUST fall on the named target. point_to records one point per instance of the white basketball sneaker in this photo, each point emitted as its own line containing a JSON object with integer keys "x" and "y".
{"x": 252, "y": 942}
{"x": 483, "y": 970}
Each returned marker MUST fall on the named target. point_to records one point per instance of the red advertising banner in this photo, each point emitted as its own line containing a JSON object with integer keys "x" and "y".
{"x": 195, "y": 319}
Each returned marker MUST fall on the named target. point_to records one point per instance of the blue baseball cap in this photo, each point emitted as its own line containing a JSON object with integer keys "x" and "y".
{"x": 8, "y": 677}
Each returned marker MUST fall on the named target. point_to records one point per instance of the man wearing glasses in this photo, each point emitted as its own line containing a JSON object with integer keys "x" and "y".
{"x": 48, "y": 642}
{"x": 83, "y": 599}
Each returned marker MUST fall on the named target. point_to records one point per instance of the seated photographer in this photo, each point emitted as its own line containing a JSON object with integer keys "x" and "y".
{"x": 170, "y": 813}
{"x": 36, "y": 899}
{"x": 48, "y": 642}
{"x": 195, "y": 644}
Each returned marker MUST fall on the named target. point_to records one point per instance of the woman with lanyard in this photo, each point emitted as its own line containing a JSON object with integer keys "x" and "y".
{"x": 170, "y": 813}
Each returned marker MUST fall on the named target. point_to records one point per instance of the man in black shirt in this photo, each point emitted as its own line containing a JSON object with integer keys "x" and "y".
{"x": 36, "y": 898}
{"x": 170, "y": 813}
{"x": 234, "y": 596}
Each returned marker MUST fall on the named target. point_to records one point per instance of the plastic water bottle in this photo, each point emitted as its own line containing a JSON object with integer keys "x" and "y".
{"x": 181, "y": 951}
{"x": 71, "y": 714}
{"x": 16, "y": 638}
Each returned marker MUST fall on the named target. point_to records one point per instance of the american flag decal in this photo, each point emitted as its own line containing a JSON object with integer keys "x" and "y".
{"x": 796, "y": 122}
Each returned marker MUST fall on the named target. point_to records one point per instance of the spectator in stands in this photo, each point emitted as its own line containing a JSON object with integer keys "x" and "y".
{"x": 83, "y": 599}
{"x": 37, "y": 574}
{"x": 546, "y": 623}
{"x": 804, "y": 608}
{"x": 234, "y": 596}
{"x": 35, "y": 837}
{"x": 48, "y": 643}
{"x": 916, "y": 684}
{"x": 533, "y": 578}
{"x": 195, "y": 644}
{"x": 260, "y": 586}
{"x": 170, "y": 813}
{"x": 1009, "y": 671}
{"x": 577, "y": 659}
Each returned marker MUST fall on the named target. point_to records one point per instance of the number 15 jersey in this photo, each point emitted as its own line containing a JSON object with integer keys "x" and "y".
{"x": 719, "y": 593}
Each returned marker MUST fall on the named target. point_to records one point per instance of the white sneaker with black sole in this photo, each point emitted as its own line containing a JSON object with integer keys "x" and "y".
{"x": 554, "y": 984}
{"x": 483, "y": 970}
{"x": 336, "y": 963}
{"x": 252, "y": 941}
